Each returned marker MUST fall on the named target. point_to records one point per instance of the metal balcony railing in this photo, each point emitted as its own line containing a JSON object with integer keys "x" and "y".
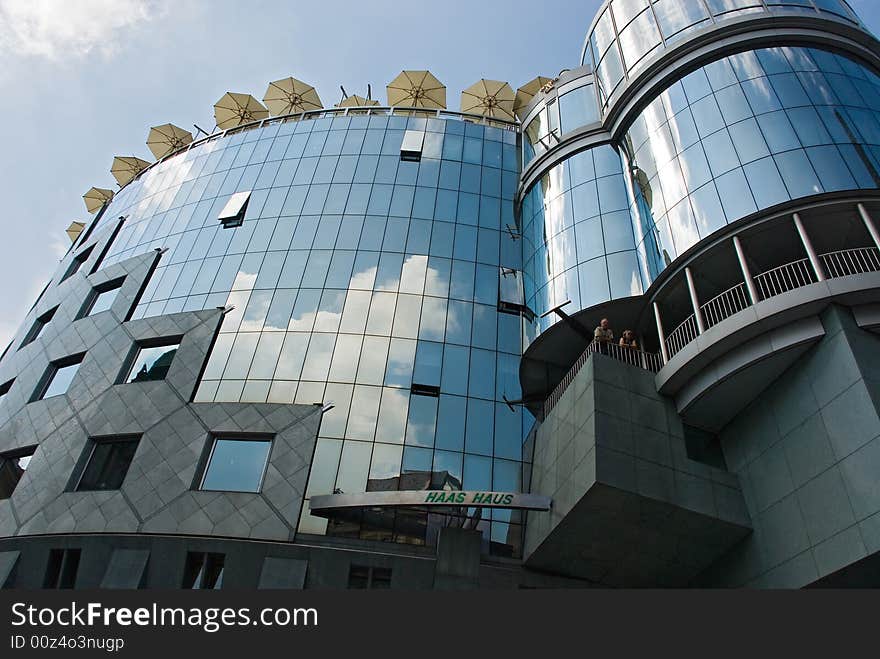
{"x": 722, "y": 306}
{"x": 682, "y": 335}
{"x": 649, "y": 361}
{"x": 785, "y": 278}
{"x": 851, "y": 261}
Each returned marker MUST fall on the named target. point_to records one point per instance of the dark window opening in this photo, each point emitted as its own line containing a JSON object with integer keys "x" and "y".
{"x": 62, "y": 568}
{"x": 12, "y": 468}
{"x": 152, "y": 362}
{"x": 38, "y": 326}
{"x": 703, "y": 446}
{"x": 101, "y": 298}
{"x": 5, "y": 387}
{"x": 107, "y": 464}
{"x": 362, "y": 577}
{"x": 203, "y": 571}
{"x": 233, "y": 212}
{"x": 411, "y": 147}
{"x": 77, "y": 262}
{"x": 425, "y": 390}
{"x": 58, "y": 376}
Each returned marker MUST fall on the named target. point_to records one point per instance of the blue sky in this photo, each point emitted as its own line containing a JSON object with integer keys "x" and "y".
{"x": 83, "y": 80}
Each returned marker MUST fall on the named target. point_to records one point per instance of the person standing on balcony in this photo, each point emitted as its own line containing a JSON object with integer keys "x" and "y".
{"x": 628, "y": 340}
{"x": 603, "y": 336}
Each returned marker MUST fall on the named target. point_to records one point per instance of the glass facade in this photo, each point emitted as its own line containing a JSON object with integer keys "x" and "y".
{"x": 739, "y": 135}
{"x": 745, "y": 133}
{"x": 628, "y": 32}
{"x": 358, "y": 279}
{"x": 568, "y": 111}
{"x": 578, "y": 240}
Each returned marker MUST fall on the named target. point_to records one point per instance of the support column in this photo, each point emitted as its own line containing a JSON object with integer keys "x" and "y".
{"x": 747, "y": 275}
{"x": 808, "y": 245}
{"x": 869, "y": 224}
{"x": 692, "y": 289}
{"x": 663, "y": 351}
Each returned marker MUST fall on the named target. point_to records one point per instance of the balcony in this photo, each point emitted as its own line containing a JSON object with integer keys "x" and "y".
{"x": 765, "y": 286}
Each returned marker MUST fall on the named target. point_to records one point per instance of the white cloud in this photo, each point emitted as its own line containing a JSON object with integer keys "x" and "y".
{"x": 60, "y": 29}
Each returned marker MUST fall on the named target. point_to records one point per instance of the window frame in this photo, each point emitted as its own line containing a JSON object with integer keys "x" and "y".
{"x": 89, "y": 453}
{"x": 212, "y": 447}
{"x": 139, "y": 346}
{"x": 96, "y": 292}
{"x": 52, "y": 371}
{"x": 38, "y": 326}
{"x": 14, "y": 454}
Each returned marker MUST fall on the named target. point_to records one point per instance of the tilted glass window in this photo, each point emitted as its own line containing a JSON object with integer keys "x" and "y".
{"x": 234, "y": 211}
{"x": 107, "y": 464}
{"x": 38, "y": 326}
{"x": 101, "y": 298}
{"x": 58, "y": 377}
{"x": 12, "y": 468}
{"x": 236, "y": 465}
{"x": 152, "y": 363}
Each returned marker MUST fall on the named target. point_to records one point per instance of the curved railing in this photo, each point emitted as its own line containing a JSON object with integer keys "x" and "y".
{"x": 773, "y": 282}
{"x": 647, "y": 360}
{"x": 724, "y": 305}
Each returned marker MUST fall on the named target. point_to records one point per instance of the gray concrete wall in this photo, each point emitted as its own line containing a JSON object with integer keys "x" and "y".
{"x": 807, "y": 452}
{"x": 629, "y": 506}
{"x": 160, "y": 491}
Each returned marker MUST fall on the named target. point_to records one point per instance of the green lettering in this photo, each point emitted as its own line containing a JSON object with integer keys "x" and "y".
{"x": 459, "y": 497}
{"x": 432, "y": 497}
{"x": 478, "y": 497}
{"x": 508, "y": 499}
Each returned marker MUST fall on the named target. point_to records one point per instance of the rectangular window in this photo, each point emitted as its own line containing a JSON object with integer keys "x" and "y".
{"x": 107, "y": 464}
{"x": 152, "y": 363}
{"x": 62, "y": 568}
{"x": 236, "y": 464}
{"x": 362, "y": 577}
{"x": 58, "y": 377}
{"x": 12, "y": 466}
{"x": 77, "y": 262}
{"x": 233, "y": 212}
{"x": 204, "y": 571}
{"x": 37, "y": 328}
{"x": 411, "y": 148}
{"x": 101, "y": 298}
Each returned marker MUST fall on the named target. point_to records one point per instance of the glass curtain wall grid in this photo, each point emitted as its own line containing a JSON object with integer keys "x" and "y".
{"x": 628, "y": 33}
{"x": 359, "y": 278}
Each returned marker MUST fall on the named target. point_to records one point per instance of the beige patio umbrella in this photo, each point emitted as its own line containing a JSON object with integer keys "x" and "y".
{"x": 96, "y": 197}
{"x": 490, "y": 98}
{"x": 527, "y": 92}
{"x": 166, "y": 138}
{"x": 236, "y": 109}
{"x": 355, "y": 101}
{"x": 417, "y": 89}
{"x": 291, "y": 96}
{"x": 74, "y": 230}
{"x": 125, "y": 168}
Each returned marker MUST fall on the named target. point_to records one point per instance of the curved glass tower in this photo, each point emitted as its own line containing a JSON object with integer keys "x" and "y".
{"x": 271, "y": 338}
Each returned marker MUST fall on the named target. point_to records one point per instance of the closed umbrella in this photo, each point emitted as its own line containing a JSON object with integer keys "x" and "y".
{"x": 490, "y": 98}
{"x": 417, "y": 89}
{"x": 237, "y": 109}
{"x": 96, "y": 197}
{"x": 291, "y": 96}
{"x": 125, "y": 168}
{"x": 166, "y": 138}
